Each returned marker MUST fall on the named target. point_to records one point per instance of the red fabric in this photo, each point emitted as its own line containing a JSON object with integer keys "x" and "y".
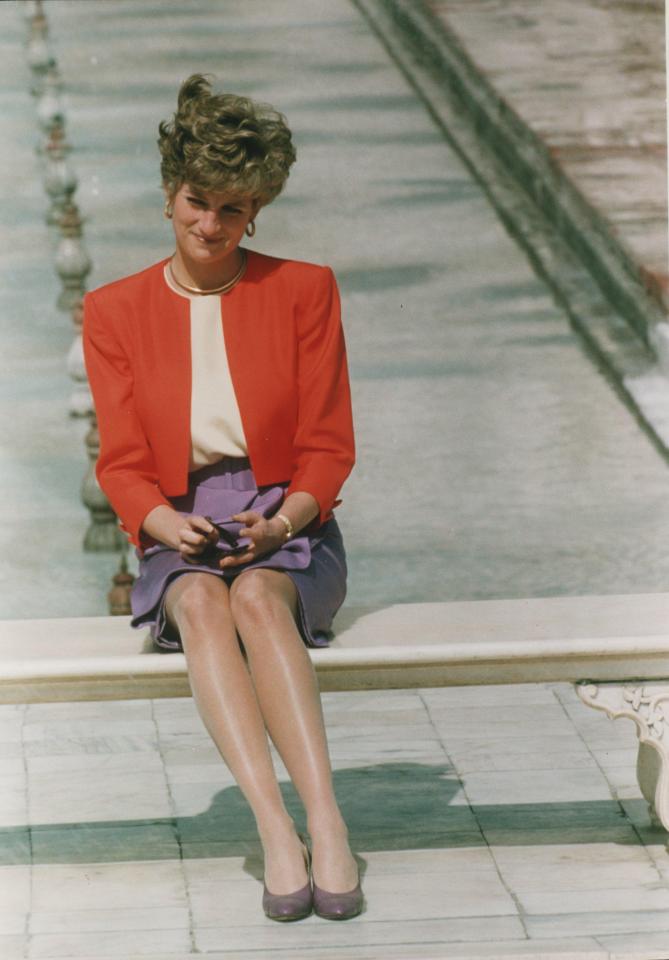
{"x": 287, "y": 359}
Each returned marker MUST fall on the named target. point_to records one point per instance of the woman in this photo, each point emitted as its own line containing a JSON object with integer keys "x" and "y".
{"x": 221, "y": 390}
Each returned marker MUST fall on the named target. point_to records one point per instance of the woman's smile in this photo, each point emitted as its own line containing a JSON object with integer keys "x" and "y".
{"x": 211, "y": 241}
{"x": 208, "y": 228}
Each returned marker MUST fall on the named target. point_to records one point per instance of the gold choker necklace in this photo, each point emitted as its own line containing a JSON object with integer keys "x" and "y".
{"x": 222, "y": 289}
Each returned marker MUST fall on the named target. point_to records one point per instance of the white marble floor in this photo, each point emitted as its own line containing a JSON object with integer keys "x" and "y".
{"x": 491, "y": 822}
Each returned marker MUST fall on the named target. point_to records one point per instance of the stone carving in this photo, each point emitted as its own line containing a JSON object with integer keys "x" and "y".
{"x": 118, "y": 598}
{"x": 103, "y": 534}
{"x": 49, "y": 105}
{"x": 647, "y": 705}
{"x": 60, "y": 180}
{"x": 72, "y": 261}
{"x": 81, "y": 401}
{"x": 38, "y": 52}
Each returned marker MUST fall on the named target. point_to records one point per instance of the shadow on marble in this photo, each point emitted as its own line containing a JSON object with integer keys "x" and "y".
{"x": 14, "y": 846}
{"x": 388, "y": 807}
{"x": 104, "y": 842}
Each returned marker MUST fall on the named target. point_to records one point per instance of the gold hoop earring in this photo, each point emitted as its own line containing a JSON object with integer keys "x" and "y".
{"x": 168, "y": 210}
{"x": 250, "y": 228}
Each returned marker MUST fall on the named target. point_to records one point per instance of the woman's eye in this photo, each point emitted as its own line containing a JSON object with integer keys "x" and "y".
{"x": 226, "y": 210}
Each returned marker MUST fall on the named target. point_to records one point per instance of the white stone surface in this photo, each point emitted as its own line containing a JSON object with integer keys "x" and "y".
{"x": 607, "y": 638}
{"x": 650, "y": 946}
{"x": 159, "y": 943}
{"x": 81, "y": 798}
{"x": 13, "y": 947}
{"x": 108, "y": 886}
{"x": 620, "y": 922}
{"x": 15, "y": 894}
{"x": 649, "y": 897}
{"x": 536, "y": 786}
{"x": 13, "y": 805}
{"x": 437, "y": 882}
{"x": 103, "y": 921}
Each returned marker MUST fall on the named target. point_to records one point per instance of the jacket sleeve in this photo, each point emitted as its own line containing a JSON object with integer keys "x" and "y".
{"x": 125, "y": 467}
{"x": 323, "y": 445}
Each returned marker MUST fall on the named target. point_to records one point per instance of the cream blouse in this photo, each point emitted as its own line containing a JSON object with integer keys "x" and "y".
{"x": 215, "y": 422}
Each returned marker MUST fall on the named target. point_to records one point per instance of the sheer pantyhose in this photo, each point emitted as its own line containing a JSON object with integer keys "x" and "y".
{"x": 277, "y": 693}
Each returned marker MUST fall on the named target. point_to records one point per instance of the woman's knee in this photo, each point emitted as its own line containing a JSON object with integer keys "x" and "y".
{"x": 260, "y": 596}
{"x": 197, "y": 599}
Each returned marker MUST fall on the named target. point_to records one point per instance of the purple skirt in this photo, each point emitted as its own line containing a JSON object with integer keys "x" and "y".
{"x": 315, "y": 562}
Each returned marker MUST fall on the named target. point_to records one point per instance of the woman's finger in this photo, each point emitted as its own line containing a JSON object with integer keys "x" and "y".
{"x": 248, "y": 517}
{"x": 248, "y": 532}
{"x": 201, "y": 524}
{"x": 186, "y": 535}
{"x": 236, "y": 559}
{"x": 192, "y": 548}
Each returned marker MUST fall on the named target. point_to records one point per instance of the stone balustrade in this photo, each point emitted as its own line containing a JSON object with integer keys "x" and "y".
{"x": 72, "y": 261}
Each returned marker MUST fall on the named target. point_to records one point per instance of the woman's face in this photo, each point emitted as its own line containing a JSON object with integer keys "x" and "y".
{"x": 208, "y": 227}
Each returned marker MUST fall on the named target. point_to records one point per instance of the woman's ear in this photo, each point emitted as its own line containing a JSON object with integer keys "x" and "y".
{"x": 169, "y": 203}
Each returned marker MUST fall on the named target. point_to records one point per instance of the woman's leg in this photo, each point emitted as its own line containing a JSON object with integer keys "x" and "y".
{"x": 198, "y": 605}
{"x": 263, "y": 604}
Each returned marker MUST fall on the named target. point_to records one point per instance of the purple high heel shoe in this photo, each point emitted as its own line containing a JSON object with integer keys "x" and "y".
{"x": 290, "y": 906}
{"x": 338, "y": 906}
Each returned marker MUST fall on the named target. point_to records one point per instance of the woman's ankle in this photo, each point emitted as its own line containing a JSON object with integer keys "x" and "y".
{"x": 286, "y": 859}
{"x": 280, "y": 827}
{"x": 328, "y": 826}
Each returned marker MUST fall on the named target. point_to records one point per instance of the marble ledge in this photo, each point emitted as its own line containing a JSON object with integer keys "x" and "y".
{"x": 497, "y": 641}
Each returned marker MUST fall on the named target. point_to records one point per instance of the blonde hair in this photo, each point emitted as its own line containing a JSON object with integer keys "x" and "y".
{"x": 223, "y": 143}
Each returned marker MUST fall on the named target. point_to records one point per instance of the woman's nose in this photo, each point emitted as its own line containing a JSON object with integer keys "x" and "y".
{"x": 209, "y": 224}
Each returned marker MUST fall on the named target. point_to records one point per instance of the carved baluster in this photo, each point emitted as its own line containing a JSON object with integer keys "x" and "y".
{"x": 648, "y": 706}
{"x": 81, "y": 401}
{"x": 38, "y": 53}
{"x": 103, "y": 533}
{"x": 31, "y": 8}
{"x": 118, "y": 598}
{"x": 72, "y": 265}
{"x": 72, "y": 261}
{"x": 51, "y": 115}
{"x": 49, "y": 105}
{"x": 60, "y": 181}
{"x": 47, "y": 85}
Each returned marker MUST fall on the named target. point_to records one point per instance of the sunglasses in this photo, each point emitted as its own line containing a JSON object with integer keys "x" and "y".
{"x": 227, "y": 537}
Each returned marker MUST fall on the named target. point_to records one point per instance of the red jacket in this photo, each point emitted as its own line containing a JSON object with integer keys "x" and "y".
{"x": 287, "y": 359}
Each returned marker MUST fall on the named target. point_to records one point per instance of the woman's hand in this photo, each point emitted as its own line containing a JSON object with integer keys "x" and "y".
{"x": 265, "y": 536}
{"x": 193, "y": 535}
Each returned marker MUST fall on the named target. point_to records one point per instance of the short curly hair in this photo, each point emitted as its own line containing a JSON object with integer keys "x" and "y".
{"x": 224, "y": 143}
